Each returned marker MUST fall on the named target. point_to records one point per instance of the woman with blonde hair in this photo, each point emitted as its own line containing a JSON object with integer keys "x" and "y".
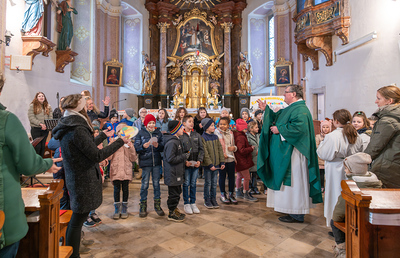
{"x": 93, "y": 111}
{"x": 384, "y": 145}
{"x": 39, "y": 110}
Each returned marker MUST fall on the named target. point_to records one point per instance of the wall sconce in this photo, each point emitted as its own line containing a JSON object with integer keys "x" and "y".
{"x": 7, "y": 36}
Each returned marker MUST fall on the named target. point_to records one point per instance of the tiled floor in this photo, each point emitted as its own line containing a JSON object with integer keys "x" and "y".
{"x": 243, "y": 230}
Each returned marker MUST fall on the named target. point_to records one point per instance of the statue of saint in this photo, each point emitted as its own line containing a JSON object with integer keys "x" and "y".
{"x": 244, "y": 74}
{"x": 33, "y": 18}
{"x": 64, "y": 26}
{"x": 148, "y": 75}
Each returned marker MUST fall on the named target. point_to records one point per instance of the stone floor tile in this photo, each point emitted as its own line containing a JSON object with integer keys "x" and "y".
{"x": 255, "y": 246}
{"x": 296, "y": 247}
{"x": 155, "y": 252}
{"x": 212, "y": 228}
{"x": 327, "y": 245}
{"x": 216, "y": 246}
{"x": 238, "y": 252}
{"x": 233, "y": 237}
{"x": 319, "y": 253}
{"x": 176, "y": 245}
{"x": 277, "y": 252}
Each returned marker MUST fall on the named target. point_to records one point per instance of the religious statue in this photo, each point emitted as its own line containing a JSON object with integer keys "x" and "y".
{"x": 244, "y": 74}
{"x": 148, "y": 75}
{"x": 64, "y": 26}
{"x": 214, "y": 94}
{"x": 178, "y": 99}
{"x": 175, "y": 70}
{"x": 33, "y": 18}
{"x": 213, "y": 69}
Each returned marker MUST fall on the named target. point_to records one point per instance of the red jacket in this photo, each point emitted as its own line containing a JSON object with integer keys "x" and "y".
{"x": 243, "y": 154}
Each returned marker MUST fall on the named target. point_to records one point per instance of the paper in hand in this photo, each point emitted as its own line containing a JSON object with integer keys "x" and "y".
{"x": 153, "y": 140}
{"x": 192, "y": 163}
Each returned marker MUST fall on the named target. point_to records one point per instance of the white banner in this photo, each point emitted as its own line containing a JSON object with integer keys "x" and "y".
{"x": 274, "y": 102}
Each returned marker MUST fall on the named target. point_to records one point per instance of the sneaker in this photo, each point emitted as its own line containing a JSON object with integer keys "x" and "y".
{"x": 256, "y": 191}
{"x": 188, "y": 209}
{"x": 194, "y": 208}
{"x": 143, "y": 209}
{"x": 239, "y": 194}
{"x": 208, "y": 204}
{"x": 181, "y": 215}
{"x": 249, "y": 197}
{"x": 84, "y": 250}
{"x": 214, "y": 204}
{"x": 89, "y": 223}
{"x": 176, "y": 216}
{"x": 232, "y": 198}
{"x": 87, "y": 242}
{"x": 95, "y": 218}
{"x": 224, "y": 199}
{"x": 157, "y": 207}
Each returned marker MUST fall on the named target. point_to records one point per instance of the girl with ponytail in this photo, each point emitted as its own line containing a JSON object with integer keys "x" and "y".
{"x": 337, "y": 145}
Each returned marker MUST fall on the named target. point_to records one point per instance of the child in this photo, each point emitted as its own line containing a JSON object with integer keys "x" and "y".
{"x": 326, "y": 127}
{"x": 253, "y": 137}
{"x": 213, "y": 161}
{"x": 245, "y": 115}
{"x": 174, "y": 167}
{"x": 112, "y": 123}
{"x": 162, "y": 120}
{"x": 150, "y": 162}
{"x": 259, "y": 116}
{"x": 121, "y": 175}
{"x": 192, "y": 144}
{"x": 225, "y": 113}
{"x": 201, "y": 114}
{"x": 337, "y": 145}
{"x": 244, "y": 161}
{"x": 363, "y": 127}
{"x": 227, "y": 141}
{"x": 128, "y": 117}
{"x": 180, "y": 113}
{"x": 139, "y": 122}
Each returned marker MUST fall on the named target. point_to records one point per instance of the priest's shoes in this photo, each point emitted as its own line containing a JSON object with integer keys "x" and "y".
{"x": 289, "y": 219}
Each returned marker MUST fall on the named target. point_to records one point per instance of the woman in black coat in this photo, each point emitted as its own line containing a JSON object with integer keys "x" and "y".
{"x": 80, "y": 158}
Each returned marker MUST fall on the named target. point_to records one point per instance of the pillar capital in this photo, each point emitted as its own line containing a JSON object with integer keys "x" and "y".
{"x": 227, "y": 26}
{"x": 163, "y": 26}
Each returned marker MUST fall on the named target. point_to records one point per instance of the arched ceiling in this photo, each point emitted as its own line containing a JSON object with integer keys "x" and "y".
{"x": 189, "y": 4}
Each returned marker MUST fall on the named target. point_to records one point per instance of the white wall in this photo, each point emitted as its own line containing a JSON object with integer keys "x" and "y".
{"x": 353, "y": 79}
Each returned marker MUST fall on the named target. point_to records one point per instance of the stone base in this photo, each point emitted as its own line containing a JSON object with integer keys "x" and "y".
{"x": 34, "y": 45}
{"x": 64, "y": 57}
{"x": 244, "y": 102}
{"x": 147, "y": 101}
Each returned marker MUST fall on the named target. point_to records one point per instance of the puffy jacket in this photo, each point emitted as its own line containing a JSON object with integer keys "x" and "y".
{"x": 151, "y": 156}
{"x": 253, "y": 141}
{"x": 213, "y": 153}
{"x": 243, "y": 154}
{"x": 121, "y": 163}
{"x": 194, "y": 142}
{"x": 174, "y": 160}
{"x": 93, "y": 115}
{"x": 384, "y": 146}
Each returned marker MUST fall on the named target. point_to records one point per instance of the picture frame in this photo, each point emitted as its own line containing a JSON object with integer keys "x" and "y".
{"x": 283, "y": 72}
{"x": 113, "y": 73}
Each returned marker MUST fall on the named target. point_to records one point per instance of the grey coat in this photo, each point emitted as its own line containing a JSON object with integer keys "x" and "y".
{"x": 253, "y": 140}
{"x": 384, "y": 146}
{"x": 81, "y": 159}
{"x": 174, "y": 160}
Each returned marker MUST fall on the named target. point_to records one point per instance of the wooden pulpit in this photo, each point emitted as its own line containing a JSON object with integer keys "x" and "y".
{"x": 372, "y": 224}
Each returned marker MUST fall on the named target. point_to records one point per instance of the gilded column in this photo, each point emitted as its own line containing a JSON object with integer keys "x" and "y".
{"x": 163, "y": 26}
{"x": 227, "y": 26}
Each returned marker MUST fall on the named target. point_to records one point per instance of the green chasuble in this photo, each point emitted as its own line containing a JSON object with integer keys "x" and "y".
{"x": 295, "y": 124}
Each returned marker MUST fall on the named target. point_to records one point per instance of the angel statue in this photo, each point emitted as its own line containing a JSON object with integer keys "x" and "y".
{"x": 213, "y": 69}
{"x": 177, "y": 94}
{"x": 175, "y": 70}
{"x": 245, "y": 73}
{"x": 214, "y": 93}
{"x": 148, "y": 75}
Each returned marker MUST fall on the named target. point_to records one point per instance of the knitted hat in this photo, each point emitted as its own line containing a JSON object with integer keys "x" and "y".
{"x": 148, "y": 118}
{"x": 174, "y": 126}
{"x": 96, "y": 123}
{"x": 245, "y": 110}
{"x": 129, "y": 112}
{"x": 225, "y": 110}
{"x": 328, "y": 123}
{"x": 206, "y": 122}
{"x": 113, "y": 113}
{"x": 96, "y": 128}
{"x": 258, "y": 111}
{"x": 358, "y": 163}
{"x": 241, "y": 124}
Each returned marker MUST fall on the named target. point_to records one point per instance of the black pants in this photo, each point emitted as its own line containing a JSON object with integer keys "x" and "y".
{"x": 117, "y": 189}
{"x": 340, "y": 237}
{"x": 253, "y": 181}
{"x": 322, "y": 176}
{"x": 174, "y": 194}
{"x": 64, "y": 201}
{"x": 73, "y": 235}
{"x": 38, "y": 132}
{"x": 230, "y": 170}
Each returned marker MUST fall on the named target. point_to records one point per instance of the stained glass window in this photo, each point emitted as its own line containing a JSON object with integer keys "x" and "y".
{"x": 271, "y": 50}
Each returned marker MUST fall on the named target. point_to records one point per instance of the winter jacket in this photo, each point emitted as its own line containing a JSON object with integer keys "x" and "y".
{"x": 197, "y": 127}
{"x": 253, "y": 141}
{"x": 126, "y": 121}
{"x": 81, "y": 159}
{"x": 17, "y": 156}
{"x": 213, "y": 153}
{"x": 227, "y": 140}
{"x": 121, "y": 163}
{"x": 138, "y": 123}
{"x": 162, "y": 126}
{"x": 260, "y": 125}
{"x": 195, "y": 143}
{"x": 384, "y": 146}
{"x": 318, "y": 140}
{"x": 93, "y": 115}
{"x": 151, "y": 156}
{"x": 57, "y": 114}
{"x": 174, "y": 160}
{"x": 36, "y": 120}
{"x": 243, "y": 154}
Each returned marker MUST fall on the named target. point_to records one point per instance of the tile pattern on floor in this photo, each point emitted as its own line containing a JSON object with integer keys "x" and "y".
{"x": 244, "y": 230}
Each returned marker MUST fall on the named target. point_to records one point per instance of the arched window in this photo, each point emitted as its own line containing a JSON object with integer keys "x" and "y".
{"x": 271, "y": 49}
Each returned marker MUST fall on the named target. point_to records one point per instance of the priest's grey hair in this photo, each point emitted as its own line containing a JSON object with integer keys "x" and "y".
{"x": 296, "y": 89}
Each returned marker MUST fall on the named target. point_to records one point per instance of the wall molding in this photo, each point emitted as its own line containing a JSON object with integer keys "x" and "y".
{"x": 109, "y": 8}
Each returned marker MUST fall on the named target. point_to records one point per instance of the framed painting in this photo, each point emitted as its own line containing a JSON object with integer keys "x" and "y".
{"x": 113, "y": 73}
{"x": 283, "y": 72}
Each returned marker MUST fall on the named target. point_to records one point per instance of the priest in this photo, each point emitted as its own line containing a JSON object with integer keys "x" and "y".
{"x": 287, "y": 159}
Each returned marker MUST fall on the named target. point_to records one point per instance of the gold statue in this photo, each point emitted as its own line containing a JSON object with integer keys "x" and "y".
{"x": 178, "y": 99}
{"x": 214, "y": 94}
{"x": 213, "y": 70}
{"x": 176, "y": 65}
{"x": 244, "y": 74}
{"x": 148, "y": 75}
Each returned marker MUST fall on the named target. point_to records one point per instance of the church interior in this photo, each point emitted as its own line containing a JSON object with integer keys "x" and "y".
{"x": 201, "y": 53}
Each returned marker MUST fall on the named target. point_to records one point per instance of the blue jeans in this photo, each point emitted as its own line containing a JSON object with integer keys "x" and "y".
{"x": 155, "y": 175}
{"x": 210, "y": 184}
{"x": 191, "y": 174}
{"x": 9, "y": 251}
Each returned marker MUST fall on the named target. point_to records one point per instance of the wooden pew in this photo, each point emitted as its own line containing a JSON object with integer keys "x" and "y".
{"x": 43, "y": 236}
{"x": 372, "y": 226}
